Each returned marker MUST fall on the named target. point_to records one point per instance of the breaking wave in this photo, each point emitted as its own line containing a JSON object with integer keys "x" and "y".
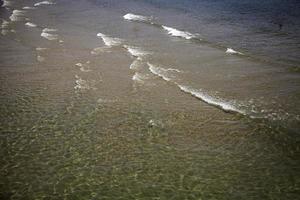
{"x": 28, "y": 8}
{"x": 177, "y": 33}
{"x": 217, "y": 102}
{"x": 44, "y": 3}
{"x": 136, "y": 52}
{"x": 226, "y": 106}
{"x": 158, "y": 71}
{"x": 47, "y": 33}
{"x": 139, "y": 18}
{"x": 31, "y": 24}
{"x": 231, "y": 51}
{"x": 17, "y": 15}
{"x": 110, "y": 41}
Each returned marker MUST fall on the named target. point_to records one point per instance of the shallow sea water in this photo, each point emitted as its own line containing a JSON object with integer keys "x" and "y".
{"x": 83, "y": 120}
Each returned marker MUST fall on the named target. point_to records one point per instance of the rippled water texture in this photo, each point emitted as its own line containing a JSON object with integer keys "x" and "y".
{"x": 149, "y": 100}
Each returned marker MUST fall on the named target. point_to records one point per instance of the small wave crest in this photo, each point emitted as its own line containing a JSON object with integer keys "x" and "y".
{"x": 43, "y": 3}
{"x": 222, "y": 104}
{"x": 158, "y": 71}
{"x": 139, "y": 18}
{"x": 49, "y": 30}
{"x": 28, "y": 8}
{"x": 177, "y": 33}
{"x": 31, "y": 24}
{"x": 47, "y": 33}
{"x": 110, "y": 41}
{"x": 226, "y": 106}
{"x": 136, "y": 52}
{"x": 231, "y": 51}
{"x": 17, "y": 15}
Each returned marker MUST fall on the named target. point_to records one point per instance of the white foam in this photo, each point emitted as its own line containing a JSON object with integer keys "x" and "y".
{"x": 159, "y": 72}
{"x": 226, "y": 106}
{"x": 110, "y": 41}
{"x": 28, "y": 8}
{"x": 49, "y": 30}
{"x": 134, "y": 17}
{"x": 49, "y": 36}
{"x": 211, "y": 100}
{"x": 17, "y": 15}
{"x": 231, "y": 51}
{"x": 177, "y": 33}
{"x": 31, "y": 24}
{"x": 136, "y": 52}
{"x": 44, "y": 3}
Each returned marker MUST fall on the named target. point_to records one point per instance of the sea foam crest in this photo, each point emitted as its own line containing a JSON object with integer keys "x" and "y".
{"x": 158, "y": 71}
{"x": 139, "y": 18}
{"x": 211, "y": 100}
{"x": 136, "y": 52}
{"x": 31, "y": 24}
{"x": 17, "y": 15}
{"x": 177, "y": 33}
{"x": 110, "y": 41}
{"x": 44, "y": 3}
{"x": 231, "y": 51}
{"x": 47, "y": 33}
{"x": 226, "y": 106}
{"x": 49, "y": 30}
{"x": 28, "y": 8}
